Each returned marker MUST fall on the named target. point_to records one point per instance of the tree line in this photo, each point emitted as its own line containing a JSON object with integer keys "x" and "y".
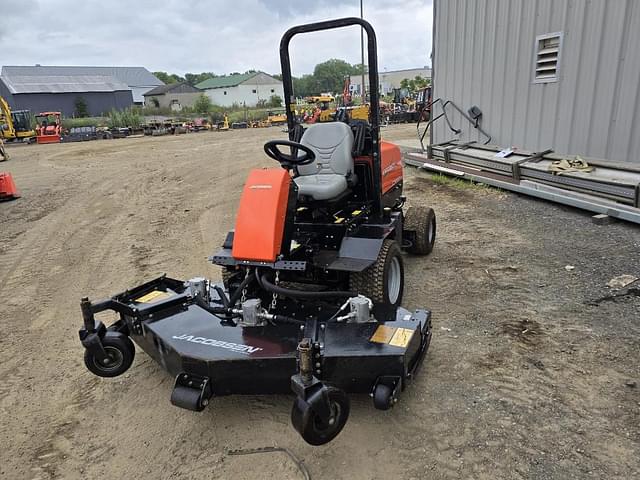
{"x": 326, "y": 77}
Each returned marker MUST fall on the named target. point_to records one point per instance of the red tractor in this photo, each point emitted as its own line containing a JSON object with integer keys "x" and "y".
{"x": 49, "y": 127}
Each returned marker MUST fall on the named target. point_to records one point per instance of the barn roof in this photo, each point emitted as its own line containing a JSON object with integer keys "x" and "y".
{"x": 138, "y": 79}
{"x": 62, "y": 83}
{"x": 182, "y": 87}
{"x": 226, "y": 81}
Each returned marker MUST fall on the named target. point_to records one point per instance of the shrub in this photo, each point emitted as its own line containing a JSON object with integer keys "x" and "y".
{"x": 127, "y": 118}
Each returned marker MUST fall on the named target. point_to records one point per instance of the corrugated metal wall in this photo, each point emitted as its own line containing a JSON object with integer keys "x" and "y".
{"x": 484, "y": 55}
{"x": 98, "y": 103}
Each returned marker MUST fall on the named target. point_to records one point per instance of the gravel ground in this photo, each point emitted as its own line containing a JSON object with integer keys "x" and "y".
{"x": 533, "y": 370}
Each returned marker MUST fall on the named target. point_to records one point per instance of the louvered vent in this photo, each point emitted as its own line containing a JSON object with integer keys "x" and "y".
{"x": 547, "y": 57}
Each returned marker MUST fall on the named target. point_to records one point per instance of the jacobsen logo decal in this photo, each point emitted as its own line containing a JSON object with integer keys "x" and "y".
{"x": 260, "y": 187}
{"x": 236, "y": 347}
{"x": 389, "y": 169}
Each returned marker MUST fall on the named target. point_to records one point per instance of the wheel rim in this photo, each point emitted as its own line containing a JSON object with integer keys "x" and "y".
{"x": 393, "y": 280}
{"x": 332, "y": 423}
{"x": 115, "y": 360}
{"x": 430, "y": 232}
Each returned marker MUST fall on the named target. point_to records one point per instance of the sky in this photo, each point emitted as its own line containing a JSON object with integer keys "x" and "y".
{"x": 220, "y": 36}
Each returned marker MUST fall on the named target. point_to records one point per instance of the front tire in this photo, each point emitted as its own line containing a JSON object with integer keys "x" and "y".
{"x": 382, "y": 282}
{"x": 313, "y": 429}
{"x": 121, "y": 352}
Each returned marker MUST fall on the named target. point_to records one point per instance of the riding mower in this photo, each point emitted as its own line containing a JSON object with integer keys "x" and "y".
{"x": 312, "y": 275}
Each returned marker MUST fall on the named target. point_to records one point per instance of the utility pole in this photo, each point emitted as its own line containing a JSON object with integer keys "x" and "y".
{"x": 364, "y": 95}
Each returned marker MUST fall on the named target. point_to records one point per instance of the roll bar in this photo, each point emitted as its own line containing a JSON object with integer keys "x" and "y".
{"x": 374, "y": 100}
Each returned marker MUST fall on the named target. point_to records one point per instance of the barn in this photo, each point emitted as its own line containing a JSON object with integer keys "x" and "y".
{"x": 65, "y": 89}
{"x": 246, "y": 89}
{"x": 175, "y": 96}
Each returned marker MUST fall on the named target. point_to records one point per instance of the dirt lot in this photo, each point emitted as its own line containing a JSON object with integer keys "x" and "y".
{"x": 532, "y": 371}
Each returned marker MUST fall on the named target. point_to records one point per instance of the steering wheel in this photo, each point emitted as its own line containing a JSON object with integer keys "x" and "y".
{"x": 289, "y": 160}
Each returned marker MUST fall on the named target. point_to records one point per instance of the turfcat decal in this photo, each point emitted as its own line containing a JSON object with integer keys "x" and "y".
{"x": 245, "y": 349}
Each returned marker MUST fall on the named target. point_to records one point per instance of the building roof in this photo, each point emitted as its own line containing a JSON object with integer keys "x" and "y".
{"x": 425, "y": 69}
{"x": 17, "y": 84}
{"x": 182, "y": 87}
{"x": 226, "y": 81}
{"x": 138, "y": 79}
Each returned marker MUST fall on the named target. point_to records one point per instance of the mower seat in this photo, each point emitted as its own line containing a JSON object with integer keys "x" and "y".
{"x": 328, "y": 176}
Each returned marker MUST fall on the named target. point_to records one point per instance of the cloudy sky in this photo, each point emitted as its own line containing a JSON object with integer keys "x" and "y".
{"x": 220, "y": 36}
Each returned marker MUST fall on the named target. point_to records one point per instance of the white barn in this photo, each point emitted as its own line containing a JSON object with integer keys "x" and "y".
{"x": 242, "y": 89}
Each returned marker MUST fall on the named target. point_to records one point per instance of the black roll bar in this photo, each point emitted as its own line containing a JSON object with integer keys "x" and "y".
{"x": 374, "y": 100}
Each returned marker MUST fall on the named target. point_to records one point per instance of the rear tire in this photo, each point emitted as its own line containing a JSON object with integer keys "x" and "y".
{"x": 421, "y": 221}
{"x": 382, "y": 282}
{"x": 227, "y": 274}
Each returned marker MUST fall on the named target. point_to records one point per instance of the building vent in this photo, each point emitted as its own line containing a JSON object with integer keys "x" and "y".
{"x": 547, "y": 57}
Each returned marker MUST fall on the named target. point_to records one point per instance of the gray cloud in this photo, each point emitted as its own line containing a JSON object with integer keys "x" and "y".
{"x": 221, "y": 36}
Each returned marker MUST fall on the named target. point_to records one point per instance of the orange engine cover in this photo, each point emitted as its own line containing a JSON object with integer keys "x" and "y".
{"x": 391, "y": 164}
{"x": 261, "y": 215}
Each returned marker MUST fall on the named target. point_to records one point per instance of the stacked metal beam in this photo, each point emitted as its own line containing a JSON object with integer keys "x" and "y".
{"x": 613, "y": 189}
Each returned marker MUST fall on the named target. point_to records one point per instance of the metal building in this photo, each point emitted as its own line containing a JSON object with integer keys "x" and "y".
{"x": 546, "y": 74}
{"x": 61, "y": 93}
{"x": 246, "y": 89}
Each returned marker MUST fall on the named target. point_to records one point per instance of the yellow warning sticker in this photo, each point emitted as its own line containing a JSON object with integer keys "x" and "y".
{"x": 339, "y": 220}
{"x": 356, "y": 212}
{"x": 401, "y": 337}
{"x": 153, "y": 296}
{"x": 383, "y": 334}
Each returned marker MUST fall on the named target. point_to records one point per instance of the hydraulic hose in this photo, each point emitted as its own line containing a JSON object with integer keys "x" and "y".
{"x": 291, "y": 293}
{"x": 223, "y": 296}
{"x": 236, "y": 295}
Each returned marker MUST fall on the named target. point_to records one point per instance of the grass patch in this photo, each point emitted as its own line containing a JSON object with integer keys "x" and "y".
{"x": 459, "y": 183}
{"x": 84, "y": 122}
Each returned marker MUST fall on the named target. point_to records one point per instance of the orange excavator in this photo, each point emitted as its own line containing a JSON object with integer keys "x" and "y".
{"x": 49, "y": 127}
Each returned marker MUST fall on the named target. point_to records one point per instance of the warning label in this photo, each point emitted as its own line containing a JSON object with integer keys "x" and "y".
{"x": 383, "y": 334}
{"x": 402, "y": 337}
{"x": 154, "y": 296}
{"x": 398, "y": 337}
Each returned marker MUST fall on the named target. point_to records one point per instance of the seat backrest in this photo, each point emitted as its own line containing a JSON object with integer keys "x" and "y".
{"x": 332, "y": 143}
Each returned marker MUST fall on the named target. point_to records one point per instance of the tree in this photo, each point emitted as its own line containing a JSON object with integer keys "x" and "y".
{"x": 168, "y": 78}
{"x": 275, "y": 101}
{"x": 414, "y": 84}
{"x": 195, "y": 78}
{"x": 305, "y": 86}
{"x": 81, "y": 109}
{"x": 326, "y": 77}
{"x": 329, "y": 76}
{"x": 202, "y": 104}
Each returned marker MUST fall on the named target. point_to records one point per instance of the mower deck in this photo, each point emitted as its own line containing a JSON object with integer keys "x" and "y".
{"x": 179, "y": 332}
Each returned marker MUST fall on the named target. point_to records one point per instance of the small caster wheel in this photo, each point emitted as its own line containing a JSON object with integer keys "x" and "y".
{"x": 313, "y": 429}
{"x": 120, "y": 350}
{"x": 382, "y": 397}
{"x": 189, "y": 398}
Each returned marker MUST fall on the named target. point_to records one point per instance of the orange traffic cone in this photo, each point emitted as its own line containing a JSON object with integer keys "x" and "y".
{"x": 8, "y": 188}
